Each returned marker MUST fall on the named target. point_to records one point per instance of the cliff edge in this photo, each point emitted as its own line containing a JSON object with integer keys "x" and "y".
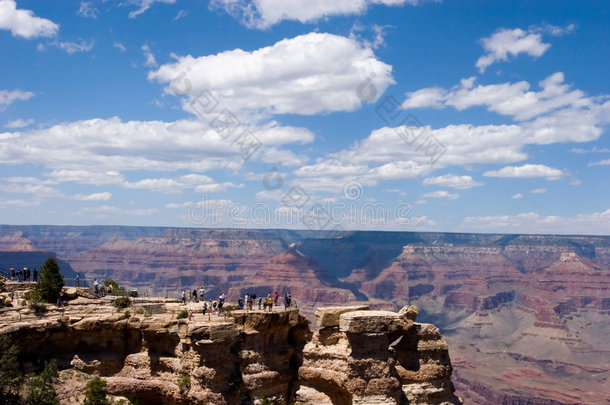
{"x": 239, "y": 357}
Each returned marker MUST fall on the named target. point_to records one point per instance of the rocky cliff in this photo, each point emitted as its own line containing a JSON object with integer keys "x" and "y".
{"x": 359, "y": 356}
{"x": 526, "y": 316}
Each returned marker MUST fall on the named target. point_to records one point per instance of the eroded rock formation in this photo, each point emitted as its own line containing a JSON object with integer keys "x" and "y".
{"x": 375, "y": 357}
{"x": 358, "y": 356}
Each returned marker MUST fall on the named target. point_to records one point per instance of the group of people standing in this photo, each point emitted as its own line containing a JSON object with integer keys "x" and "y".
{"x": 193, "y": 296}
{"x": 24, "y": 274}
{"x": 264, "y": 303}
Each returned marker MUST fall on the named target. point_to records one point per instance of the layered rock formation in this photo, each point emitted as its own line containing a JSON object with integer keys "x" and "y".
{"x": 375, "y": 357}
{"x": 237, "y": 358}
{"x": 526, "y": 316}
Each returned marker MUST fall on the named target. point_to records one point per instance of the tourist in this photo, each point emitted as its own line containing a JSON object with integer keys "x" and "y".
{"x": 270, "y": 303}
{"x": 221, "y": 302}
{"x": 205, "y": 307}
{"x": 184, "y": 296}
{"x": 35, "y": 275}
{"x": 275, "y": 297}
{"x": 201, "y": 294}
{"x": 76, "y": 283}
{"x": 96, "y": 285}
{"x": 240, "y": 302}
{"x": 260, "y": 301}
{"x": 286, "y": 300}
{"x": 12, "y": 274}
{"x": 195, "y": 295}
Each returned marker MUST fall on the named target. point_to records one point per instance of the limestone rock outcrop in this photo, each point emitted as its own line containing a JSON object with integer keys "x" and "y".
{"x": 358, "y": 356}
{"x": 375, "y": 357}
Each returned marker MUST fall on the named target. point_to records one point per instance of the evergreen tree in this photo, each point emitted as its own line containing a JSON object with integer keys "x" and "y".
{"x": 51, "y": 282}
{"x": 10, "y": 379}
{"x": 39, "y": 388}
{"x": 95, "y": 394}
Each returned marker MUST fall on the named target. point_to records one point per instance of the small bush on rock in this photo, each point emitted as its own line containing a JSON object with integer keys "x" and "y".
{"x": 121, "y": 302}
{"x": 95, "y": 394}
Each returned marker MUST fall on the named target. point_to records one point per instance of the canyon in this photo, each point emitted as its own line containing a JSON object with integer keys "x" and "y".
{"x": 526, "y": 317}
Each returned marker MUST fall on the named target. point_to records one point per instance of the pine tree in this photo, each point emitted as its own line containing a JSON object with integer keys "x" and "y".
{"x": 95, "y": 394}
{"x": 39, "y": 388}
{"x": 51, "y": 281}
{"x": 10, "y": 380}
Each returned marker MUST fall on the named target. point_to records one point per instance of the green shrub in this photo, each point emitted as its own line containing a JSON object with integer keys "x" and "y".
{"x": 183, "y": 314}
{"x": 4, "y": 302}
{"x": 121, "y": 302}
{"x": 133, "y": 293}
{"x": 127, "y": 314}
{"x": 133, "y": 399}
{"x": 39, "y": 388}
{"x": 38, "y": 308}
{"x": 51, "y": 282}
{"x": 10, "y": 378}
{"x": 114, "y": 284}
{"x": 95, "y": 394}
{"x": 184, "y": 383}
{"x": 333, "y": 340}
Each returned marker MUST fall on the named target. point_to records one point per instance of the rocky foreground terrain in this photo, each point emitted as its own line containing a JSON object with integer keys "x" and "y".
{"x": 358, "y": 356}
{"x": 526, "y": 316}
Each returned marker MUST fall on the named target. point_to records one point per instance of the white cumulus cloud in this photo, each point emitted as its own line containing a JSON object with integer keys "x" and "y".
{"x": 442, "y": 194}
{"x": 8, "y": 97}
{"x": 308, "y": 74}
{"x": 263, "y": 14}
{"x": 510, "y": 42}
{"x": 453, "y": 181}
{"x": 87, "y": 10}
{"x": 596, "y": 223}
{"x": 23, "y": 23}
{"x": 19, "y": 123}
{"x": 144, "y": 5}
{"x": 526, "y": 171}
{"x": 104, "y": 196}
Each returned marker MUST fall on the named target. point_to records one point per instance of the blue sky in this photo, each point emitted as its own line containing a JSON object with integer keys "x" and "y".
{"x": 479, "y": 116}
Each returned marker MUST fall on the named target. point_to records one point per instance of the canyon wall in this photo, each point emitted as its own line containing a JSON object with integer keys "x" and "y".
{"x": 526, "y": 316}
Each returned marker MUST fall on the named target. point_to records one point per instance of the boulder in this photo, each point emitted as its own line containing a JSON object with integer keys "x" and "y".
{"x": 70, "y": 293}
{"x": 370, "y": 322}
{"x": 329, "y": 317}
{"x": 409, "y": 312}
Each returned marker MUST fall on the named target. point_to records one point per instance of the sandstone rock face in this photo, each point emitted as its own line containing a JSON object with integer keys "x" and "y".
{"x": 367, "y": 357}
{"x": 327, "y": 317}
{"x": 375, "y": 357}
{"x": 370, "y": 322}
